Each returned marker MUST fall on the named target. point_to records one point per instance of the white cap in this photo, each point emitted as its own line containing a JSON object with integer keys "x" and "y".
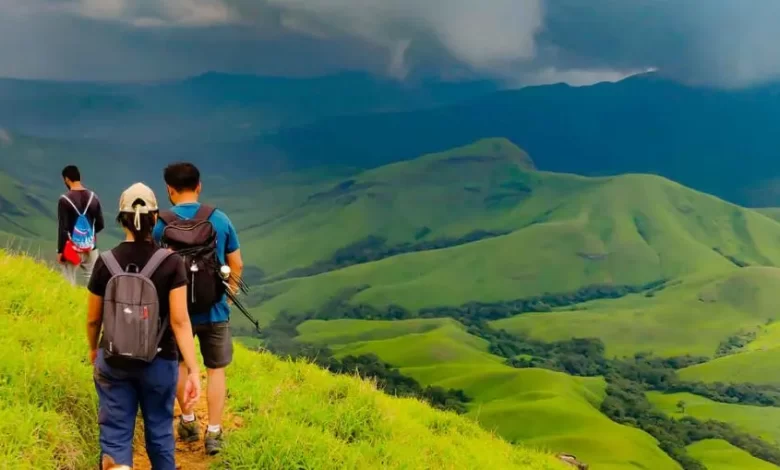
{"x": 130, "y": 201}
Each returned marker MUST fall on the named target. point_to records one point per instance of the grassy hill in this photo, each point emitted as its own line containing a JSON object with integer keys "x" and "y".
{"x": 760, "y": 421}
{"x": 292, "y": 414}
{"x": 720, "y": 455}
{"x": 549, "y": 233}
{"x": 740, "y": 300}
{"x": 536, "y": 407}
{"x": 760, "y": 367}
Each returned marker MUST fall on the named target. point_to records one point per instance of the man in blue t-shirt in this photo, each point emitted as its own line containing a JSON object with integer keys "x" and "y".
{"x": 212, "y": 328}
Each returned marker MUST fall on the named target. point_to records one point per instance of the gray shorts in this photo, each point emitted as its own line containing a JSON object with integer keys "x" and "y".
{"x": 216, "y": 344}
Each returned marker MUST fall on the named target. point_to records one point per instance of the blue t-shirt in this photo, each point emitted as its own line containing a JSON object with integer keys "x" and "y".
{"x": 227, "y": 242}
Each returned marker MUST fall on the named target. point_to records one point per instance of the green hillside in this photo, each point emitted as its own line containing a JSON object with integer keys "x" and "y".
{"x": 47, "y": 401}
{"x": 720, "y": 455}
{"x": 737, "y": 300}
{"x": 536, "y": 407}
{"x": 760, "y": 421}
{"x": 558, "y": 234}
{"x": 759, "y": 367}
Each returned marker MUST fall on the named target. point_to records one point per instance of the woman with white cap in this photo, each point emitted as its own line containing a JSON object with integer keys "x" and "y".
{"x": 124, "y": 382}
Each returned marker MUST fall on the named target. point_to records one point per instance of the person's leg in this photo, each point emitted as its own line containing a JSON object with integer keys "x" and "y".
{"x": 188, "y": 429}
{"x": 69, "y": 272}
{"x": 88, "y": 263}
{"x": 217, "y": 348}
{"x": 157, "y": 392}
{"x": 117, "y": 409}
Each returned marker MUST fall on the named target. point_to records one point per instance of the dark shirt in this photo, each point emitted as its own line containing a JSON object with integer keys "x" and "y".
{"x": 67, "y": 216}
{"x": 170, "y": 275}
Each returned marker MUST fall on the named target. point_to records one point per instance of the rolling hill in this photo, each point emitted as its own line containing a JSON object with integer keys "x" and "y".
{"x": 720, "y": 455}
{"x": 757, "y": 420}
{"x": 540, "y": 408}
{"x": 319, "y": 421}
{"x": 714, "y": 306}
{"x": 542, "y": 233}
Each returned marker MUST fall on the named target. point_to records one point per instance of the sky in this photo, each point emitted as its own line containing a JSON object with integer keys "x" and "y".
{"x": 725, "y": 43}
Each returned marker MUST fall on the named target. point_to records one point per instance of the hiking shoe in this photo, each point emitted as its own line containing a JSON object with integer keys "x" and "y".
{"x": 213, "y": 441}
{"x": 189, "y": 431}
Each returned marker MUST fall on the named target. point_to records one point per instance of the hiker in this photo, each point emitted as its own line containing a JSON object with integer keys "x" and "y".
{"x": 80, "y": 219}
{"x": 207, "y": 240}
{"x": 138, "y": 295}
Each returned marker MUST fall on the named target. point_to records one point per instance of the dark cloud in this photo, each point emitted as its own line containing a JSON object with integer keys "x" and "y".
{"x": 722, "y": 42}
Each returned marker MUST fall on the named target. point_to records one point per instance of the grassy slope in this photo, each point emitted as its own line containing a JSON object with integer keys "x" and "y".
{"x": 760, "y": 367}
{"x": 771, "y": 212}
{"x": 570, "y": 232}
{"x": 720, "y": 455}
{"x": 537, "y": 407}
{"x": 448, "y": 192}
{"x": 713, "y": 306}
{"x": 293, "y": 415}
{"x": 763, "y": 422}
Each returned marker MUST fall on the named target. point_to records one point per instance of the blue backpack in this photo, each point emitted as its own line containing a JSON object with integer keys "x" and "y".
{"x": 83, "y": 235}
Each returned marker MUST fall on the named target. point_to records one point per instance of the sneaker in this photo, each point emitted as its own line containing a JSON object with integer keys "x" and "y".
{"x": 189, "y": 431}
{"x": 213, "y": 441}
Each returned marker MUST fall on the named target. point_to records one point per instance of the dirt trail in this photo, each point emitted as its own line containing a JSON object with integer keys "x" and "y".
{"x": 188, "y": 456}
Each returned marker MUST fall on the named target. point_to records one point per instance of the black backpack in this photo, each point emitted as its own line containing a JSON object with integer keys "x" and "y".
{"x": 195, "y": 240}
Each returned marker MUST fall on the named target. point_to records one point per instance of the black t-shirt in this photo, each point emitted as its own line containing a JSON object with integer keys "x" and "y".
{"x": 169, "y": 275}
{"x": 67, "y": 216}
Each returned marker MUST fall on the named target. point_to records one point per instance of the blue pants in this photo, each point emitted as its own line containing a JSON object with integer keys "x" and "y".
{"x": 120, "y": 393}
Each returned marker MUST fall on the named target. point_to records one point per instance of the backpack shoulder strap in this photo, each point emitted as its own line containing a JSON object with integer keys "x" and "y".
{"x": 168, "y": 217}
{"x": 111, "y": 263}
{"x": 89, "y": 203}
{"x": 71, "y": 203}
{"x": 204, "y": 212}
{"x": 155, "y": 261}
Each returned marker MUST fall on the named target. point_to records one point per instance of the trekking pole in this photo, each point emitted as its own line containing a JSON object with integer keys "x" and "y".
{"x": 243, "y": 309}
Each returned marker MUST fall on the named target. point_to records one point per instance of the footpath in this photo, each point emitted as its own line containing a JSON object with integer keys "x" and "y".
{"x": 188, "y": 456}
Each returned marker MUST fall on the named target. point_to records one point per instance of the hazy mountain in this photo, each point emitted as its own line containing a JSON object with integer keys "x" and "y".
{"x": 718, "y": 141}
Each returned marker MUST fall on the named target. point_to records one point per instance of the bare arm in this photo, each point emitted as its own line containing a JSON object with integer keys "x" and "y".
{"x": 236, "y": 265}
{"x": 182, "y": 328}
{"x": 63, "y": 220}
{"x": 94, "y": 320}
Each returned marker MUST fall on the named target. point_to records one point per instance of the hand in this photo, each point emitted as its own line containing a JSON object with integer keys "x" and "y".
{"x": 192, "y": 390}
{"x": 92, "y": 356}
{"x": 60, "y": 258}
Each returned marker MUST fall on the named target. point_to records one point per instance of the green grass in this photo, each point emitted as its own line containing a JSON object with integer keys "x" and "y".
{"x": 720, "y": 455}
{"x": 759, "y": 367}
{"x": 540, "y": 408}
{"x": 771, "y": 212}
{"x": 690, "y": 318}
{"x": 763, "y": 422}
{"x": 292, "y": 415}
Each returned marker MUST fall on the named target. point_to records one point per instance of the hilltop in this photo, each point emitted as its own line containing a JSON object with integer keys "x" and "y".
{"x": 291, "y": 414}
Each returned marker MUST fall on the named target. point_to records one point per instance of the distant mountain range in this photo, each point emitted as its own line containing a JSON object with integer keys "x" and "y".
{"x": 719, "y": 141}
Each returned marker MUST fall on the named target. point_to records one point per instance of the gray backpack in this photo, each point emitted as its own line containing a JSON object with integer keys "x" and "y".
{"x": 132, "y": 328}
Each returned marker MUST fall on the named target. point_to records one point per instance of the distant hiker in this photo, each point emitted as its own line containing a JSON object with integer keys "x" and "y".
{"x": 138, "y": 295}
{"x": 207, "y": 240}
{"x": 80, "y": 219}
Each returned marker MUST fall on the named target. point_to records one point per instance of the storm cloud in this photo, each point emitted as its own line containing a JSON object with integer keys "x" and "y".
{"x": 716, "y": 42}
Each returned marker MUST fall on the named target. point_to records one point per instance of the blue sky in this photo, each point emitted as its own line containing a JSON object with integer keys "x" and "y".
{"x": 721, "y": 42}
